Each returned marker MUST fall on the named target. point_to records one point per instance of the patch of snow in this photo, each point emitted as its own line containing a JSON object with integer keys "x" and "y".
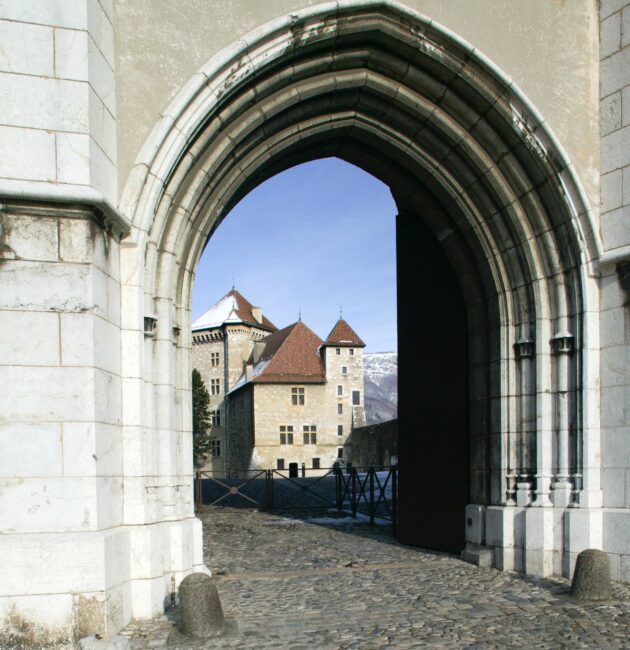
{"x": 285, "y": 521}
{"x": 223, "y": 311}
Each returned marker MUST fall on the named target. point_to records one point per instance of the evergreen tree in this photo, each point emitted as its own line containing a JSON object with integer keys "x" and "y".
{"x": 200, "y": 420}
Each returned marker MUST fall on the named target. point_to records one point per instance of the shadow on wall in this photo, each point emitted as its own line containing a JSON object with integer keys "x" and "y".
{"x": 373, "y": 446}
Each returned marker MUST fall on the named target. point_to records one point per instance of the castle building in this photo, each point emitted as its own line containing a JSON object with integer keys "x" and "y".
{"x": 223, "y": 338}
{"x": 280, "y": 399}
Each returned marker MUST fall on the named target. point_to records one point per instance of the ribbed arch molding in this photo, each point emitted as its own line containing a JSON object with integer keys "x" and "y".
{"x": 459, "y": 145}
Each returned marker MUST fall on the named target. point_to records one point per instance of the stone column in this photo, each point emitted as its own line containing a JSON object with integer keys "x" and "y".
{"x": 64, "y": 554}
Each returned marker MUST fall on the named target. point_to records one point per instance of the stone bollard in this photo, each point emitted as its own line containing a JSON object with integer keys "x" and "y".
{"x": 591, "y": 578}
{"x": 200, "y": 606}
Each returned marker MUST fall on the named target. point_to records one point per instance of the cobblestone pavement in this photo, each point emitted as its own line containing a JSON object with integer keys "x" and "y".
{"x": 289, "y": 584}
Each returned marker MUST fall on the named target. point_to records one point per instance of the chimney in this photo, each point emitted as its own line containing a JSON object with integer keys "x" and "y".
{"x": 257, "y": 314}
{"x": 259, "y": 346}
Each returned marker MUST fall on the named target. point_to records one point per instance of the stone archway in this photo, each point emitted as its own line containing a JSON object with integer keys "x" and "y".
{"x": 465, "y": 153}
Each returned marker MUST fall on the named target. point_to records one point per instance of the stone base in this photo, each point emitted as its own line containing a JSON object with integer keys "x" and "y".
{"x": 478, "y": 555}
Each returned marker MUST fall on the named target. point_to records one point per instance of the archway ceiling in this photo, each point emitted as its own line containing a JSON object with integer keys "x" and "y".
{"x": 400, "y": 98}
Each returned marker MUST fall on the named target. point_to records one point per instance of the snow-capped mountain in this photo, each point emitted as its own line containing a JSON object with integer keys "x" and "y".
{"x": 380, "y": 374}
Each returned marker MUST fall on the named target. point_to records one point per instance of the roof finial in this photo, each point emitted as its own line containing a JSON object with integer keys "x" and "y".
{"x": 233, "y": 282}
{"x": 340, "y": 312}
{"x": 300, "y": 314}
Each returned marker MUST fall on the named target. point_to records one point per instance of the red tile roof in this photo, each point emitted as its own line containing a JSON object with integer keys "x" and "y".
{"x": 342, "y": 335}
{"x": 291, "y": 355}
{"x": 244, "y": 311}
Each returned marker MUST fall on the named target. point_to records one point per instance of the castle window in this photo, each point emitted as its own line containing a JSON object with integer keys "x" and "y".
{"x": 339, "y": 409}
{"x": 340, "y": 429}
{"x": 340, "y": 452}
{"x": 215, "y": 417}
{"x": 286, "y": 435}
{"x": 215, "y": 448}
{"x": 215, "y": 387}
{"x": 337, "y": 351}
{"x": 280, "y": 463}
{"x": 339, "y": 390}
{"x": 214, "y": 358}
{"x": 351, "y": 352}
{"x": 297, "y": 396}
{"x": 315, "y": 463}
{"x": 344, "y": 370}
{"x": 356, "y": 397}
{"x": 310, "y": 434}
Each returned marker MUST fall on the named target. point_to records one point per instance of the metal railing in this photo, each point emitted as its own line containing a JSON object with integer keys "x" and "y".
{"x": 366, "y": 492}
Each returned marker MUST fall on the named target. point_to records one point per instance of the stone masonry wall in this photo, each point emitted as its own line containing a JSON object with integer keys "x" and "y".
{"x": 615, "y": 298}
{"x": 375, "y": 445}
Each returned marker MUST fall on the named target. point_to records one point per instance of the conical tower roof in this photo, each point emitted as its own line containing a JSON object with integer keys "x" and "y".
{"x": 342, "y": 335}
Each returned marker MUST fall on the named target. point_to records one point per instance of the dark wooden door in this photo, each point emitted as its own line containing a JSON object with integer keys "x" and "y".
{"x": 433, "y": 393}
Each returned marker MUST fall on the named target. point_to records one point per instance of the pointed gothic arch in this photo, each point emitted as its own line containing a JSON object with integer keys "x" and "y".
{"x": 462, "y": 150}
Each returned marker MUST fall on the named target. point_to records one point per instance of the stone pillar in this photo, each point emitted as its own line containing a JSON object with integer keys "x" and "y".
{"x": 61, "y": 463}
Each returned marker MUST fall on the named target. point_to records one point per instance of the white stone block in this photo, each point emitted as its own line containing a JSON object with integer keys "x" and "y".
{"x": 133, "y": 391}
{"x": 625, "y": 106}
{"x": 77, "y": 339}
{"x": 26, "y": 49}
{"x": 102, "y": 172}
{"x": 29, "y": 338}
{"x": 30, "y": 449}
{"x": 608, "y": 7}
{"x": 40, "y": 394}
{"x": 71, "y": 54}
{"x": 69, "y": 13}
{"x": 475, "y": 524}
{"x": 133, "y": 460}
{"x": 110, "y": 501}
{"x": 99, "y": 292}
{"x": 107, "y": 398}
{"x": 73, "y": 158}
{"x": 44, "y": 103}
{"x": 113, "y": 301}
{"x": 106, "y": 346}
{"x": 30, "y": 238}
{"x": 625, "y": 26}
{"x": 27, "y": 154}
{"x": 614, "y": 227}
{"x": 41, "y": 286}
{"x": 80, "y": 449}
{"x": 611, "y": 190}
{"x": 47, "y": 617}
{"x": 75, "y": 240}
{"x": 610, "y": 113}
{"x": 615, "y": 72}
{"x": 51, "y": 563}
{"x": 610, "y": 35}
{"x": 117, "y": 549}
{"x": 613, "y": 407}
{"x": 102, "y": 77}
{"x": 101, "y": 30}
{"x": 47, "y": 504}
{"x": 102, "y": 126}
{"x": 539, "y": 541}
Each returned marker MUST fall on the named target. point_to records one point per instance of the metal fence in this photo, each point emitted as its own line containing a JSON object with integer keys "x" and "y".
{"x": 360, "y": 492}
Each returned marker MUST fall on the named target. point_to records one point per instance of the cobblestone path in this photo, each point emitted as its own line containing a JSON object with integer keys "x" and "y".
{"x": 296, "y": 585}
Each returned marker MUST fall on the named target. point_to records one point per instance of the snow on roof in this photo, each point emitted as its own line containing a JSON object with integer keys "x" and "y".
{"x": 232, "y": 308}
{"x": 223, "y": 311}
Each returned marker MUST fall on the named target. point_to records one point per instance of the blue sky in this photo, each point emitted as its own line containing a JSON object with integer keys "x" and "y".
{"x": 316, "y": 237}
